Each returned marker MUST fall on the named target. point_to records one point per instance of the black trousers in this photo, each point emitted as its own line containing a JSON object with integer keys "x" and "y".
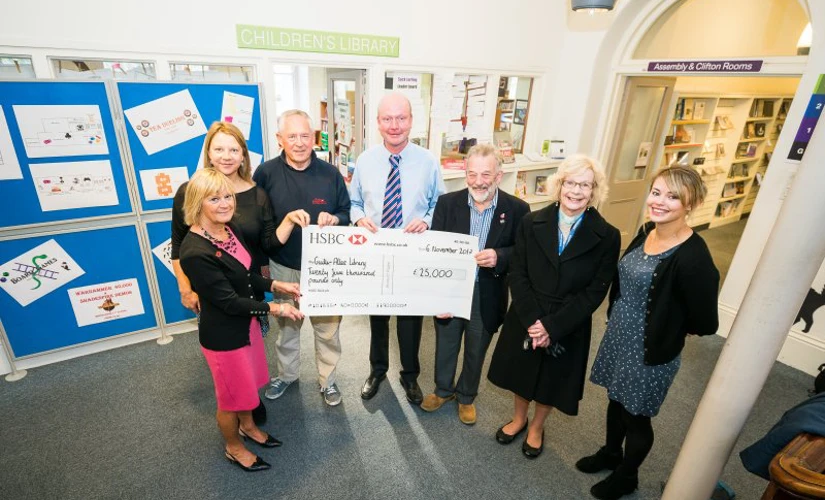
{"x": 409, "y": 339}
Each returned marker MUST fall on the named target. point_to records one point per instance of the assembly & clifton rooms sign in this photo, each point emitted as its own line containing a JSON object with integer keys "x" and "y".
{"x": 733, "y": 66}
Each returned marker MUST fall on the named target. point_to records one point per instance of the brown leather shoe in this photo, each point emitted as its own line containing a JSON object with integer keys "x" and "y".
{"x": 433, "y": 401}
{"x": 467, "y": 413}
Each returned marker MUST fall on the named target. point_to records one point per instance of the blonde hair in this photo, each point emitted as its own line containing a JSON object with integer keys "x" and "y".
{"x": 203, "y": 184}
{"x": 245, "y": 171}
{"x": 484, "y": 150}
{"x": 686, "y": 183}
{"x": 575, "y": 165}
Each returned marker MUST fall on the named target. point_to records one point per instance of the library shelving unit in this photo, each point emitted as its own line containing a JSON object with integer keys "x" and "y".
{"x": 520, "y": 178}
{"x": 761, "y": 169}
{"x": 728, "y": 139}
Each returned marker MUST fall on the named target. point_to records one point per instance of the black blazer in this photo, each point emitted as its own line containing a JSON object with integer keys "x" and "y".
{"x": 452, "y": 214}
{"x": 681, "y": 300}
{"x": 226, "y": 289}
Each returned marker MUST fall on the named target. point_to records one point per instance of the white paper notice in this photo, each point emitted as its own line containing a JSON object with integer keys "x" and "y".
{"x": 103, "y": 302}
{"x": 162, "y": 183}
{"x": 50, "y": 131}
{"x": 349, "y": 270}
{"x": 237, "y": 109}
{"x": 81, "y": 184}
{"x": 255, "y": 161}
{"x": 166, "y": 122}
{"x": 9, "y": 166}
{"x": 164, "y": 254}
{"x": 38, "y": 272}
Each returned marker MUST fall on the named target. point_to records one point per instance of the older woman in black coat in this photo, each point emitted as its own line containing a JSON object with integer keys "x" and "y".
{"x": 564, "y": 259}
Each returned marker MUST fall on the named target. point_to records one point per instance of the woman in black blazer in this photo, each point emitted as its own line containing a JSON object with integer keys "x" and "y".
{"x": 564, "y": 258}
{"x": 665, "y": 289}
{"x": 220, "y": 267}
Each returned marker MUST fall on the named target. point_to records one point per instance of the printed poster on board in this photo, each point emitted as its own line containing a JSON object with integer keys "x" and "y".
{"x": 237, "y": 109}
{"x": 9, "y": 165}
{"x": 162, "y": 183}
{"x": 38, "y": 272}
{"x": 164, "y": 254}
{"x": 76, "y": 184}
{"x": 57, "y": 130}
{"x": 166, "y": 122}
{"x": 103, "y": 302}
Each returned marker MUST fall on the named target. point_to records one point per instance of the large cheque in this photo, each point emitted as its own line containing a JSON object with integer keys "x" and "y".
{"x": 349, "y": 270}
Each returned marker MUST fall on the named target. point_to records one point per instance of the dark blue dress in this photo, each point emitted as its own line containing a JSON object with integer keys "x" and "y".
{"x": 619, "y": 365}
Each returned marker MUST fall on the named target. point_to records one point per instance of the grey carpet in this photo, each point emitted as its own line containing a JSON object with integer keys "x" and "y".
{"x": 138, "y": 423}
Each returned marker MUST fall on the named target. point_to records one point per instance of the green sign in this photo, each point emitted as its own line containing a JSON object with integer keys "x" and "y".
{"x": 270, "y": 38}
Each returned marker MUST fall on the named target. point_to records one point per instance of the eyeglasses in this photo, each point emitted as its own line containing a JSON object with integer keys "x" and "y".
{"x": 294, "y": 138}
{"x": 400, "y": 120}
{"x": 584, "y": 186}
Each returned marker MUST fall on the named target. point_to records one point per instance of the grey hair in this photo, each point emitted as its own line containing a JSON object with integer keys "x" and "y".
{"x": 292, "y": 112}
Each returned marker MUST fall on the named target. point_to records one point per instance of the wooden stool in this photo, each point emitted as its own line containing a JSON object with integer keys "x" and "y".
{"x": 797, "y": 471}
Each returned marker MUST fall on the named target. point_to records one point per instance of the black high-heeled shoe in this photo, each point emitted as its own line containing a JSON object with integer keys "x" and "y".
{"x": 270, "y": 442}
{"x": 504, "y": 438}
{"x": 259, "y": 464}
{"x": 531, "y": 452}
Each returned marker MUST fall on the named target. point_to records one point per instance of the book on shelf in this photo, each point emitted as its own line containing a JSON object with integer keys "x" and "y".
{"x": 521, "y": 185}
{"x": 783, "y": 110}
{"x": 720, "y": 150}
{"x": 505, "y": 150}
{"x": 541, "y": 185}
{"x": 699, "y": 110}
{"x": 729, "y": 190}
{"x": 750, "y": 130}
{"x": 725, "y": 209}
{"x": 723, "y": 122}
{"x": 746, "y": 150}
{"x": 767, "y": 108}
{"x": 759, "y": 129}
{"x": 683, "y": 134}
{"x": 680, "y": 108}
{"x": 687, "y": 110}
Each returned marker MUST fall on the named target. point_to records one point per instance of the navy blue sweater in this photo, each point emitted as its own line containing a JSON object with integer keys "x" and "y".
{"x": 318, "y": 188}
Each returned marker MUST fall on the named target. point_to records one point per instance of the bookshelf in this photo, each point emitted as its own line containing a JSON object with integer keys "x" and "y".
{"x": 519, "y": 179}
{"x": 728, "y": 143}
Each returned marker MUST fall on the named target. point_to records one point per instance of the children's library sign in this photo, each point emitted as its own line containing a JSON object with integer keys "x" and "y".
{"x": 754, "y": 66}
{"x": 329, "y": 42}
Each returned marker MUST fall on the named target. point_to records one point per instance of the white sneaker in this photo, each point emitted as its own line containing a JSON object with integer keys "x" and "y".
{"x": 332, "y": 396}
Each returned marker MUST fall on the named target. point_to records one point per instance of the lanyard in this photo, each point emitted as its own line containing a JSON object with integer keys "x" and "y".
{"x": 562, "y": 242}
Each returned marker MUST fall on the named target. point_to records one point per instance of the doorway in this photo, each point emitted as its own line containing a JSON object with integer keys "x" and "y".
{"x": 725, "y": 128}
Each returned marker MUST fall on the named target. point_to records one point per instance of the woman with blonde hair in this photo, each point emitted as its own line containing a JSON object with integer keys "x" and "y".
{"x": 665, "y": 289}
{"x": 225, "y": 150}
{"x": 215, "y": 257}
{"x": 563, "y": 261}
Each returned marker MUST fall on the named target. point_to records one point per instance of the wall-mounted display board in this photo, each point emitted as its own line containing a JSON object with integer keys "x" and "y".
{"x": 62, "y": 290}
{"x": 166, "y": 125}
{"x": 59, "y": 154}
{"x": 160, "y": 239}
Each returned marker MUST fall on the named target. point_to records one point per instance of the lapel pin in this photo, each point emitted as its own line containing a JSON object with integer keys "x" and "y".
{"x": 218, "y": 254}
{"x": 501, "y": 219}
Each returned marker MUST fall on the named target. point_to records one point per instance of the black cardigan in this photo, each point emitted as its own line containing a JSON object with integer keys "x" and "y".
{"x": 226, "y": 290}
{"x": 681, "y": 300}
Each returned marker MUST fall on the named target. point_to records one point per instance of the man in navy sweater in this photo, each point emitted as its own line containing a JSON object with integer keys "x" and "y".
{"x": 303, "y": 190}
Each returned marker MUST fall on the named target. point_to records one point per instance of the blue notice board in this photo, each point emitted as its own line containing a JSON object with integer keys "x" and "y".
{"x": 49, "y": 320}
{"x": 208, "y": 102}
{"x": 173, "y": 310}
{"x": 64, "y": 139}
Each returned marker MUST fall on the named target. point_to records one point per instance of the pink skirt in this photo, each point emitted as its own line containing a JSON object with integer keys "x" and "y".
{"x": 239, "y": 373}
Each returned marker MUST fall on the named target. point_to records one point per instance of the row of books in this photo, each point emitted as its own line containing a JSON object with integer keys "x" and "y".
{"x": 689, "y": 109}
{"x": 761, "y": 108}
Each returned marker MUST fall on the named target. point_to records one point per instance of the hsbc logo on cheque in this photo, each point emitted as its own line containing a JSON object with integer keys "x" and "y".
{"x": 357, "y": 239}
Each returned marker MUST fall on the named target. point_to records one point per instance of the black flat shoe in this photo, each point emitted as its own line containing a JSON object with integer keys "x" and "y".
{"x": 270, "y": 442}
{"x": 371, "y": 386}
{"x": 413, "y": 392}
{"x": 531, "y": 452}
{"x": 504, "y": 438}
{"x": 259, "y": 464}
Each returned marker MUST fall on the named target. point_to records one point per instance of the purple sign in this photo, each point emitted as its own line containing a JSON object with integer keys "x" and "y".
{"x": 705, "y": 66}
